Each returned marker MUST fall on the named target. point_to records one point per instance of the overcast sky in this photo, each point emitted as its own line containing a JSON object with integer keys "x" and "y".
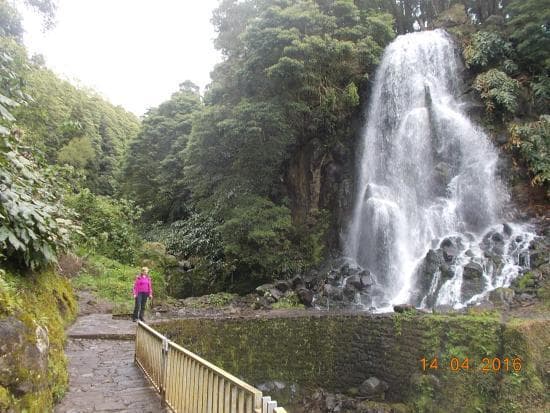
{"x": 133, "y": 52}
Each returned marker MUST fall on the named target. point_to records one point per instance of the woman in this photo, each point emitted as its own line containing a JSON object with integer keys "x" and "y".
{"x": 142, "y": 290}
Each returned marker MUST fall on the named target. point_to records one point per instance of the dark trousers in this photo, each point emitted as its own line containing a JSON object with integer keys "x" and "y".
{"x": 139, "y": 308}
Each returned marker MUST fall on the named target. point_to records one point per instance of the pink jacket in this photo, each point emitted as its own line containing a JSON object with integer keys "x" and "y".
{"x": 143, "y": 285}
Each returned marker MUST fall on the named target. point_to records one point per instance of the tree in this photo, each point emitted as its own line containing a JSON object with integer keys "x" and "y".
{"x": 153, "y": 170}
{"x": 529, "y": 21}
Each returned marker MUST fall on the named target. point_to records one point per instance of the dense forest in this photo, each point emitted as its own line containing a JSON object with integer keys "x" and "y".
{"x": 251, "y": 181}
{"x": 247, "y": 183}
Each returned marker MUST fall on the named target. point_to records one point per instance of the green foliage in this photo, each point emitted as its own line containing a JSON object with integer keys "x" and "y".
{"x": 34, "y": 224}
{"x": 10, "y": 301}
{"x": 288, "y": 302}
{"x": 42, "y": 299}
{"x": 153, "y": 170}
{"x": 198, "y": 241}
{"x": 498, "y": 91}
{"x": 529, "y": 21}
{"x": 107, "y": 225}
{"x": 113, "y": 281}
{"x": 217, "y": 300}
{"x": 541, "y": 92}
{"x": 533, "y": 140}
{"x": 256, "y": 235}
{"x": 10, "y": 22}
{"x": 486, "y": 49}
{"x": 78, "y": 152}
{"x": 76, "y": 126}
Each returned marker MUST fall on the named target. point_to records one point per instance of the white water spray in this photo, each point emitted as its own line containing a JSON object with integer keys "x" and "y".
{"x": 427, "y": 173}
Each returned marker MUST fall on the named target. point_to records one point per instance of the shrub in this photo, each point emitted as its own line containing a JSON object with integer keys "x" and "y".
{"x": 486, "y": 49}
{"x": 107, "y": 225}
{"x": 498, "y": 91}
{"x": 533, "y": 140}
{"x": 34, "y": 224}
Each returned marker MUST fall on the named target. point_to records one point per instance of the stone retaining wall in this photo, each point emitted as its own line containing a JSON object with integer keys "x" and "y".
{"x": 339, "y": 351}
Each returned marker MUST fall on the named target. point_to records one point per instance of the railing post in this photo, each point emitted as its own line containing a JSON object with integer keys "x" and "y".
{"x": 163, "y": 371}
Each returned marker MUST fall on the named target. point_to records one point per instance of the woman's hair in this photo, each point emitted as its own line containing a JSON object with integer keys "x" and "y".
{"x": 144, "y": 270}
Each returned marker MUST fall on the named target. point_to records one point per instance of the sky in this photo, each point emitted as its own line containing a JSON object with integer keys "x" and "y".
{"x": 135, "y": 53}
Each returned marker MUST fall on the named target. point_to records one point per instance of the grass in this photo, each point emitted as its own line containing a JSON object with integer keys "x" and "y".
{"x": 113, "y": 281}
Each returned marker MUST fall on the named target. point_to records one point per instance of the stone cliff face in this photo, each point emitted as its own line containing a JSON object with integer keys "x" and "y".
{"x": 319, "y": 177}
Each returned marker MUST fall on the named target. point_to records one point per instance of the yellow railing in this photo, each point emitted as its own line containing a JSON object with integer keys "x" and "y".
{"x": 190, "y": 384}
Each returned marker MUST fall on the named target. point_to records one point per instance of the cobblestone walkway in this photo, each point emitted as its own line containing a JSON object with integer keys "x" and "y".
{"x": 102, "y": 373}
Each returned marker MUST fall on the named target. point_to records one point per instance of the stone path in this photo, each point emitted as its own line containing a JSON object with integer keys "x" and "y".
{"x": 102, "y": 373}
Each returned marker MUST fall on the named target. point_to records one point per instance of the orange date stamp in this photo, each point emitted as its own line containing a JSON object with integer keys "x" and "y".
{"x": 485, "y": 364}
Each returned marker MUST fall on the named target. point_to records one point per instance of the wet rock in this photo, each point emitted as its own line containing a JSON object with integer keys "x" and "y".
{"x": 333, "y": 277}
{"x": 451, "y": 248}
{"x": 345, "y": 270}
{"x": 305, "y": 296}
{"x": 373, "y": 387}
{"x": 472, "y": 271}
{"x": 507, "y": 229}
{"x": 349, "y": 292}
{"x": 312, "y": 279}
{"x": 502, "y": 297}
{"x": 472, "y": 280}
{"x": 355, "y": 281}
{"x": 442, "y": 174}
{"x": 333, "y": 293}
{"x": 401, "y": 308}
{"x": 366, "y": 279}
{"x": 432, "y": 263}
{"x": 493, "y": 242}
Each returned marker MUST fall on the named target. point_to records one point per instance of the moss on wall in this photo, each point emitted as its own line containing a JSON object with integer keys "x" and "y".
{"x": 34, "y": 310}
{"x": 339, "y": 352}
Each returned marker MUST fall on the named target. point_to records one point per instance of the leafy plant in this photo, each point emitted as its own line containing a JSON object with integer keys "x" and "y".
{"x": 485, "y": 49}
{"x": 533, "y": 140}
{"x": 34, "y": 224}
{"x": 108, "y": 226}
{"x": 498, "y": 91}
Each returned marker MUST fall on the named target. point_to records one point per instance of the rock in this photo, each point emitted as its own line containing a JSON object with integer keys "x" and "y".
{"x": 349, "y": 292}
{"x": 366, "y": 279}
{"x": 373, "y": 387}
{"x": 526, "y": 297}
{"x": 450, "y": 249}
{"x": 283, "y": 285}
{"x": 507, "y": 229}
{"x": 401, "y": 308}
{"x": 23, "y": 356}
{"x": 333, "y": 293}
{"x": 275, "y": 293}
{"x": 312, "y": 279}
{"x": 502, "y": 297}
{"x": 472, "y": 280}
{"x": 264, "y": 289}
{"x": 333, "y": 277}
{"x": 306, "y": 296}
{"x": 297, "y": 282}
{"x": 355, "y": 281}
{"x": 442, "y": 175}
{"x": 472, "y": 271}
{"x": 345, "y": 270}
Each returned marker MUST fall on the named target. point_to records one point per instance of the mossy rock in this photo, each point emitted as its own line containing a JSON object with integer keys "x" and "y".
{"x": 35, "y": 309}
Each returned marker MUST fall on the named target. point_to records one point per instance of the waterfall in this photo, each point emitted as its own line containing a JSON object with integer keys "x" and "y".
{"x": 428, "y": 215}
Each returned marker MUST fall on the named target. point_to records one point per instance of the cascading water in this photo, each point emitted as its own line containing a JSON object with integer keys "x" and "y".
{"x": 427, "y": 221}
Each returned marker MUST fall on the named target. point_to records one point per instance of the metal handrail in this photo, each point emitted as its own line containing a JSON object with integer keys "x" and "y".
{"x": 189, "y": 384}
